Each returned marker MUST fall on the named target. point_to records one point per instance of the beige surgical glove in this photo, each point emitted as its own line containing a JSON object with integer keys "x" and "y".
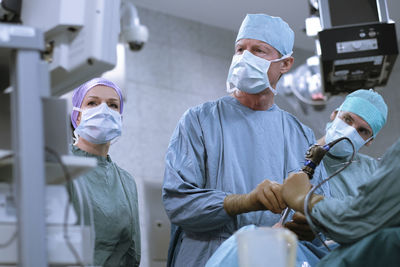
{"x": 295, "y": 189}
{"x": 266, "y": 196}
{"x": 300, "y": 227}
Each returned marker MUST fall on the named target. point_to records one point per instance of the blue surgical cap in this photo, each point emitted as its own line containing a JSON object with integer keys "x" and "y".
{"x": 369, "y": 105}
{"x": 271, "y": 30}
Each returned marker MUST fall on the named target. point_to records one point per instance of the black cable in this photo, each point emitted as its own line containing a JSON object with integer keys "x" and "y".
{"x": 308, "y": 196}
{"x": 9, "y": 241}
{"x": 66, "y": 215}
{"x": 15, "y": 234}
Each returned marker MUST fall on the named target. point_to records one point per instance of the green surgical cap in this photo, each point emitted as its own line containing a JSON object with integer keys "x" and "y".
{"x": 369, "y": 105}
{"x": 271, "y": 30}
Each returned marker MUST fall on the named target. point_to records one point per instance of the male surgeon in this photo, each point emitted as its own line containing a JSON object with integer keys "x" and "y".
{"x": 361, "y": 116}
{"x": 228, "y": 158}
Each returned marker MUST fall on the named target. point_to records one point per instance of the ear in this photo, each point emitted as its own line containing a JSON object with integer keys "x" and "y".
{"x": 333, "y": 115}
{"x": 286, "y": 64}
{"x": 78, "y": 119}
{"x": 369, "y": 142}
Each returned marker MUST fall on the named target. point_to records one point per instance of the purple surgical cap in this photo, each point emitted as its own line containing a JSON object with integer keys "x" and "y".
{"x": 80, "y": 92}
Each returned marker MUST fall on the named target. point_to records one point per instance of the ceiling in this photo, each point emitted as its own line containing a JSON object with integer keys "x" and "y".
{"x": 229, "y": 14}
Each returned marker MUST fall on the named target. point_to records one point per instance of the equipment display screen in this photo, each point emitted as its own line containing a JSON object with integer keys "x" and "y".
{"x": 345, "y": 12}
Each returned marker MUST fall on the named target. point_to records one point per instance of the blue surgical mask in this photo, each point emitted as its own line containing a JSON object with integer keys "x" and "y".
{"x": 99, "y": 125}
{"x": 249, "y": 73}
{"x": 338, "y": 128}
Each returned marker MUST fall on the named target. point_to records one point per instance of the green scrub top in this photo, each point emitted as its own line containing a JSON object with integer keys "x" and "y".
{"x": 113, "y": 195}
{"x": 380, "y": 248}
{"x": 347, "y": 181}
{"x": 375, "y": 207}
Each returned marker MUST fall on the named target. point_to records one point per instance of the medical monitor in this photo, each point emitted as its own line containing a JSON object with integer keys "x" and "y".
{"x": 357, "y": 44}
{"x": 338, "y": 13}
{"x": 344, "y": 12}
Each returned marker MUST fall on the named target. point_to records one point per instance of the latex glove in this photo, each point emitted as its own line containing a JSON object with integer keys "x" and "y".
{"x": 295, "y": 189}
{"x": 300, "y": 227}
{"x": 266, "y": 196}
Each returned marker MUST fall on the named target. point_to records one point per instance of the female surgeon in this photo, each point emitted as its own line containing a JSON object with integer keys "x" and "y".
{"x": 111, "y": 191}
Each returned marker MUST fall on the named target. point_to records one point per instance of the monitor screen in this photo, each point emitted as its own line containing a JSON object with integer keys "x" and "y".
{"x": 349, "y": 12}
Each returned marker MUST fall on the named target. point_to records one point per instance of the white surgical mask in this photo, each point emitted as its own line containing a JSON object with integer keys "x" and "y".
{"x": 99, "y": 125}
{"x": 249, "y": 73}
{"x": 338, "y": 128}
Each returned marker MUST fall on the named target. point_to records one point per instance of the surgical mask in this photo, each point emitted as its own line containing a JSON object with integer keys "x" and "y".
{"x": 99, "y": 125}
{"x": 338, "y": 128}
{"x": 249, "y": 73}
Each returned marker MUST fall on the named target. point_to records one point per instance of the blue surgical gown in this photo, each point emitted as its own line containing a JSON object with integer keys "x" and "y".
{"x": 221, "y": 148}
{"x": 346, "y": 183}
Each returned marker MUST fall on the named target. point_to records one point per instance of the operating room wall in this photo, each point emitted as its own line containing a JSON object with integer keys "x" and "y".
{"x": 184, "y": 64}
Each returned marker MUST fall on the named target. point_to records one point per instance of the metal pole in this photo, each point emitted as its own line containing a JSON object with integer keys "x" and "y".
{"x": 28, "y": 146}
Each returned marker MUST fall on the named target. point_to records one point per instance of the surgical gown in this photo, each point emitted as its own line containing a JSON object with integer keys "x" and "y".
{"x": 347, "y": 181}
{"x": 113, "y": 197}
{"x": 376, "y": 207}
{"x": 221, "y": 148}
